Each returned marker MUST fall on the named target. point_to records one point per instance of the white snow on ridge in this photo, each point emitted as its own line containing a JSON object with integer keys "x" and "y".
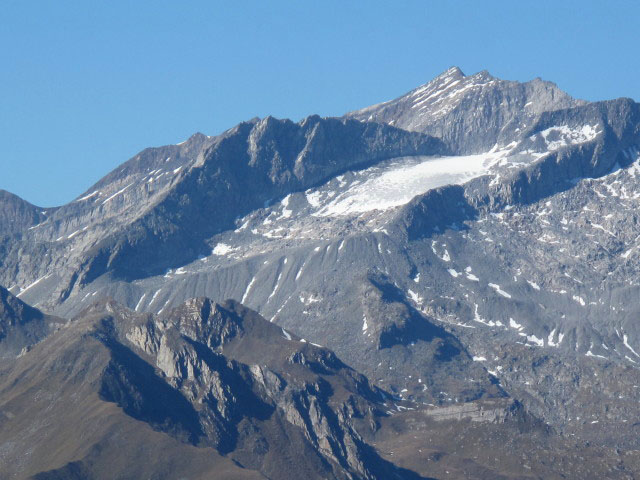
{"x": 313, "y": 197}
{"x": 309, "y": 298}
{"x": 479, "y": 319}
{"x": 286, "y": 212}
{"x": 534, "y": 285}
{"x": 154, "y": 297}
{"x": 222, "y": 249}
{"x": 453, "y": 272}
{"x": 564, "y": 135}
{"x": 87, "y": 197}
{"x": 514, "y": 324}
{"x": 472, "y": 277}
{"x": 246, "y": 292}
{"x": 579, "y": 299}
{"x": 625, "y": 340}
{"x": 22, "y": 290}
{"x": 140, "y": 301}
{"x": 533, "y": 339}
{"x": 499, "y": 290}
{"x": 116, "y": 194}
{"x": 415, "y": 297}
{"x": 397, "y": 182}
{"x": 286, "y": 334}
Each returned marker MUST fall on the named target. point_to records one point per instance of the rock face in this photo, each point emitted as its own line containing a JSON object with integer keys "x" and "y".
{"x": 472, "y": 113}
{"x": 22, "y": 326}
{"x": 491, "y": 411}
{"x": 190, "y": 374}
{"x": 17, "y": 214}
{"x": 159, "y": 209}
{"x": 215, "y": 389}
{"x": 472, "y": 243}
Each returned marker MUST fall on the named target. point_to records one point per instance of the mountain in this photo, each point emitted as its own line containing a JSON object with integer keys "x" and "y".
{"x": 216, "y": 389}
{"x": 183, "y": 392}
{"x": 472, "y": 113}
{"x": 471, "y": 246}
{"x": 159, "y": 210}
{"x": 22, "y": 326}
{"x": 17, "y": 214}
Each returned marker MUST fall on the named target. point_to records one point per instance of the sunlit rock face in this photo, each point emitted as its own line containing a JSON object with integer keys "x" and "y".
{"x": 471, "y": 246}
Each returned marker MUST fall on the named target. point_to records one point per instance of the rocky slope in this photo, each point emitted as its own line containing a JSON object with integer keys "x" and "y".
{"x": 215, "y": 389}
{"x": 201, "y": 378}
{"x": 22, "y": 326}
{"x": 474, "y": 241}
{"x": 159, "y": 209}
{"x": 471, "y": 113}
{"x": 17, "y": 214}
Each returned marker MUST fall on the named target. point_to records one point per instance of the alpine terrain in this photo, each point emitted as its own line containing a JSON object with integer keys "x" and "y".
{"x": 444, "y": 285}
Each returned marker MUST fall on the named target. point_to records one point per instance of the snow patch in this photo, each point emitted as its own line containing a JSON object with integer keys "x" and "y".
{"x": 561, "y": 136}
{"x": 286, "y": 213}
{"x": 140, "y": 301}
{"x": 222, "y": 249}
{"x": 275, "y": 289}
{"x": 497, "y": 288}
{"x": 87, "y": 197}
{"x": 625, "y": 340}
{"x": 514, "y": 324}
{"x": 308, "y": 299}
{"x": 313, "y": 198}
{"x": 479, "y": 319}
{"x": 534, "y": 285}
{"x": 415, "y": 297}
{"x": 580, "y": 300}
{"x": 31, "y": 285}
{"x": 533, "y": 339}
{"x": 116, "y": 194}
{"x": 397, "y": 182}
{"x": 246, "y": 292}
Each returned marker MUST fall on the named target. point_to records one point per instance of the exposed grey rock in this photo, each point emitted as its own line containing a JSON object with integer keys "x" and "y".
{"x": 473, "y": 241}
{"x": 16, "y": 214}
{"x": 495, "y": 411}
{"x": 184, "y": 374}
{"x": 22, "y": 326}
{"x": 472, "y": 113}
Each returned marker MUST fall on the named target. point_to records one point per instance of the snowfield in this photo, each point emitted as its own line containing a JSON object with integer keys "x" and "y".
{"x": 395, "y": 183}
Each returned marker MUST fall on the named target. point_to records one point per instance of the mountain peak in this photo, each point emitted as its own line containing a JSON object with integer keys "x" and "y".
{"x": 16, "y": 214}
{"x": 469, "y": 112}
{"x": 21, "y": 325}
{"x": 483, "y": 76}
{"x": 454, "y": 72}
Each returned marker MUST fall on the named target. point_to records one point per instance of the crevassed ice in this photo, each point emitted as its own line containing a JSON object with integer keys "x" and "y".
{"x": 397, "y": 182}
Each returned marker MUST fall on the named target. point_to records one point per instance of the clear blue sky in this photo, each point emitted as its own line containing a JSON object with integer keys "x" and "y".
{"x": 85, "y": 85}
